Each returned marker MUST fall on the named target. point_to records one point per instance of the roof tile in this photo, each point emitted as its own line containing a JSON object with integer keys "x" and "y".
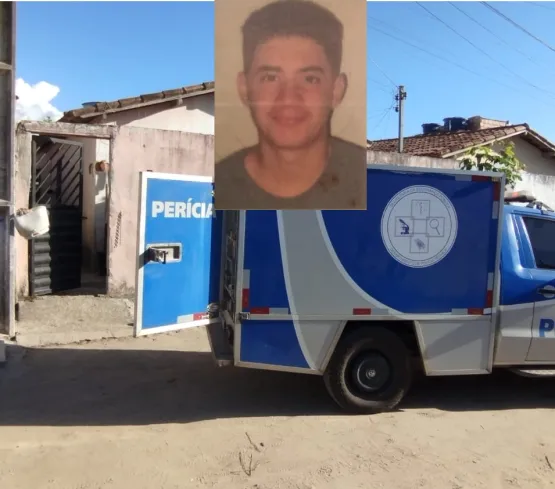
{"x": 172, "y": 93}
{"x": 126, "y": 102}
{"x": 440, "y": 144}
{"x": 84, "y": 114}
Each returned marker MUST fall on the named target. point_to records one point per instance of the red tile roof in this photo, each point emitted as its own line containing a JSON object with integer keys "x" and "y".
{"x": 441, "y": 144}
{"x": 84, "y": 114}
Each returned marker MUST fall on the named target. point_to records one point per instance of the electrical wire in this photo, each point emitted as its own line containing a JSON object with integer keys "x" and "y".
{"x": 485, "y": 53}
{"x": 386, "y": 123}
{"x": 383, "y": 72}
{"x": 518, "y": 26}
{"x": 447, "y": 60}
{"x": 542, "y": 5}
{"x": 385, "y": 112}
{"x": 378, "y": 82}
{"x": 487, "y": 29}
{"x": 402, "y": 31}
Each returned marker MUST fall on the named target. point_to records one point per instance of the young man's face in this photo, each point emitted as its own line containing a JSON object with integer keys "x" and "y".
{"x": 291, "y": 91}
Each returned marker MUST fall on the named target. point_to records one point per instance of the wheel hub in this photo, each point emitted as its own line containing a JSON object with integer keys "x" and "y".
{"x": 371, "y": 372}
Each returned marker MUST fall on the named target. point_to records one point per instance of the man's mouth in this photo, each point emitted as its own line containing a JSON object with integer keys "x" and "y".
{"x": 288, "y": 117}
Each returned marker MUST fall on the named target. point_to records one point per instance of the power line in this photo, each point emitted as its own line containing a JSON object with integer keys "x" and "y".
{"x": 446, "y": 60}
{"x": 382, "y": 86}
{"x": 485, "y": 53}
{"x": 382, "y": 72}
{"x": 377, "y": 82}
{"x": 385, "y": 125}
{"x": 542, "y": 5}
{"x": 487, "y": 29}
{"x": 385, "y": 112}
{"x": 518, "y": 26}
{"x": 402, "y": 31}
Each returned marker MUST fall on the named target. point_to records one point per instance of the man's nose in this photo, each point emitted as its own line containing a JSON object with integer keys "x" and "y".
{"x": 289, "y": 92}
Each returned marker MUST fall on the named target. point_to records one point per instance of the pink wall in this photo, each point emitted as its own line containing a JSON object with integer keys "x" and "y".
{"x": 135, "y": 149}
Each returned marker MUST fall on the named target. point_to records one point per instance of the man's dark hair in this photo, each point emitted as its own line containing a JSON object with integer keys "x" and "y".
{"x": 302, "y": 18}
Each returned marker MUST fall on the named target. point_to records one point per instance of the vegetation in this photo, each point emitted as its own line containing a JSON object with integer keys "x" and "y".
{"x": 484, "y": 158}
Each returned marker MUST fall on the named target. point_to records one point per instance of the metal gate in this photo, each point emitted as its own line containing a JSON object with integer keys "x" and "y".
{"x": 57, "y": 182}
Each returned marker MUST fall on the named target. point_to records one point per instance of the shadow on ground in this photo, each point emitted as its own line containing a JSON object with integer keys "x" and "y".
{"x": 65, "y": 387}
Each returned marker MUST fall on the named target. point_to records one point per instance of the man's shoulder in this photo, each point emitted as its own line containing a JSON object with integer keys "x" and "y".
{"x": 234, "y": 159}
{"x": 346, "y": 153}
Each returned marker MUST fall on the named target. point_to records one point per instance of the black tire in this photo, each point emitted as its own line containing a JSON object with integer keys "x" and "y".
{"x": 385, "y": 361}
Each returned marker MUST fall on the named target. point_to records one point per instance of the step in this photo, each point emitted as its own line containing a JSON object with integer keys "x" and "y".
{"x": 219, "y": 344}
{"x": 537, "y": 372}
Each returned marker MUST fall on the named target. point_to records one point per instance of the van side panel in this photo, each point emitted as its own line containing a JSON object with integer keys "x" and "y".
{"x": 307, "y": 273}
{"x": 458, "y": 281}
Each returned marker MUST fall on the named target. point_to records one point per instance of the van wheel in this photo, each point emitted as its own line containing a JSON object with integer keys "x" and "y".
{"x": 369, "y": 372}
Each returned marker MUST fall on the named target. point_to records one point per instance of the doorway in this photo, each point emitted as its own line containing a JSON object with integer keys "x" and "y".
{"x": 55, "y": 259}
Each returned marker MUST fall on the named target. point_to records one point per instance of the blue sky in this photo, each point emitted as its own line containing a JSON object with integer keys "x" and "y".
{"x": 109, "y": 50}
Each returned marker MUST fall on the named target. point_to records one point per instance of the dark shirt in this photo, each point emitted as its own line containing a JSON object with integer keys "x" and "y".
{"x": 341, "y": 186}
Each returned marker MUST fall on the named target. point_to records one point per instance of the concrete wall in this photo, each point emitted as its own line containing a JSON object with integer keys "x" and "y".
{"x": 194, "y": 115}
{"x": 22, "y": 175}
{"x": 539, "y": 174}
{"x": 89, "y": 190}
{"x": 380, "y": 158}
{"x": 542, "y": 186}
{"x": 533, "y": 158}
{"x": 94, "y": 199}
{"x": 136, "y": 149}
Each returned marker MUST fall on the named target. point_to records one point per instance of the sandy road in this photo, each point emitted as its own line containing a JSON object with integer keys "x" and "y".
{"x": 155, "y": 413}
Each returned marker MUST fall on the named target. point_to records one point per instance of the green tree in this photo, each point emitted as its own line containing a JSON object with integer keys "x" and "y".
{"x": 48, "y": 118}
{"x": 484, "y": 158}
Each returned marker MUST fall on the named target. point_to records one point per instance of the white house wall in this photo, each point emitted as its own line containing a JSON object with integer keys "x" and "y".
{"x": 541, "y": 186}
{"x": 138, "y": 149}
{"x": 195, "y": 115}
{"x": 539, "y": 174}
{"x": 101, "y": 189}
{"x": 89, "y": 156}
{"x": 532, "y": 157}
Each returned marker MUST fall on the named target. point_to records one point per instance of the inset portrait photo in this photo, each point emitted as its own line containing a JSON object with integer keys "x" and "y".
{"x": 290, "y": 104}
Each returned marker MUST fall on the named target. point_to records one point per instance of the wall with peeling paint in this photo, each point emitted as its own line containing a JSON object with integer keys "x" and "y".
{"x": 194, "y": 115}
{"x": 137, "y": 149}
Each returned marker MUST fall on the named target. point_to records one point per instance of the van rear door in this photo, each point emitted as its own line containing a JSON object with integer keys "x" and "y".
{"x": 178, "y": 253}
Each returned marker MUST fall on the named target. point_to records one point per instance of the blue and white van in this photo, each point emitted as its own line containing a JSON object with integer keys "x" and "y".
{"x": 443, "y": 272}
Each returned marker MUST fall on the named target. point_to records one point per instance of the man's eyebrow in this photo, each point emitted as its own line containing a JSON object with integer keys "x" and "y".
{"x": 267, "y": 68}
{"x": 312, "y": 68}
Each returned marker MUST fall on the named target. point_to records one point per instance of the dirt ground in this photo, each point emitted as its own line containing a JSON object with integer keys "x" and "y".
{"x": 155, "y": 413}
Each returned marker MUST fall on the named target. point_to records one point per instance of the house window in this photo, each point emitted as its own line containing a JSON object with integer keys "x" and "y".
{"x": 542, "y": 237}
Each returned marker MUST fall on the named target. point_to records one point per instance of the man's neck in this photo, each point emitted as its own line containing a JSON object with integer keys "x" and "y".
{"x": 287, "y": 173}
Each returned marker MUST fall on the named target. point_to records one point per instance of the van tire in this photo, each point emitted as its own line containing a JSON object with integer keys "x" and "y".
{"x": 369, "y": 372}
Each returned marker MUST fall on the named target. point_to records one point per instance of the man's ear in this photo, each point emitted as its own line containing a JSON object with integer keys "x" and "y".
{"x": 242, "y": 88}
{"x": 339, "y": 89}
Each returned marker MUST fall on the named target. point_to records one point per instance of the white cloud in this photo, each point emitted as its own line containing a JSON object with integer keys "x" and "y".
{"x": 35, "y": 101}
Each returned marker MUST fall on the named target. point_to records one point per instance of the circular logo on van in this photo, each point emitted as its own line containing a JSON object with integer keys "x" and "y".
{"x": 419, "y": 226}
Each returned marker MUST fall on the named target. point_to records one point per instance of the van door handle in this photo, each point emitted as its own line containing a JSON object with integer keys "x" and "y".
{"x": 545, "y": 291}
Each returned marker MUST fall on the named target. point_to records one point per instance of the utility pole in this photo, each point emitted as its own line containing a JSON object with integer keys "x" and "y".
{"x": 400, "y": 98}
